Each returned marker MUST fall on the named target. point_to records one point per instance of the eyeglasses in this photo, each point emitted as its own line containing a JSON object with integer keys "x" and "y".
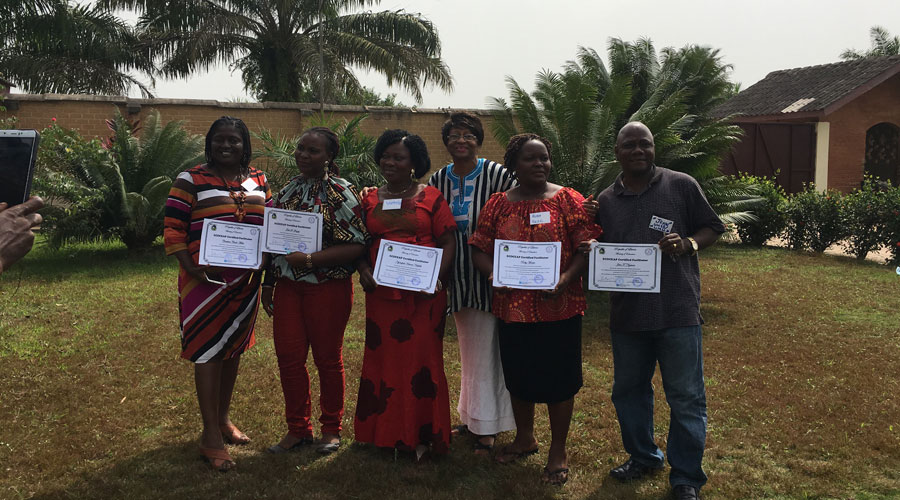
{"x": 456, "y": 137}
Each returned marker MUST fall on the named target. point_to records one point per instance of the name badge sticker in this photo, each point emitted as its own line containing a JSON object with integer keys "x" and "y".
{"x": 660, "y": 224}
{"x": 540, "y": 218}
{"x": 393, "y": 204}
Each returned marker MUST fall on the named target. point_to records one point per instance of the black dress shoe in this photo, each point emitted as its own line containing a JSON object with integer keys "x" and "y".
{"x": 632, "y": 470}
{"x": 685, "y": 492}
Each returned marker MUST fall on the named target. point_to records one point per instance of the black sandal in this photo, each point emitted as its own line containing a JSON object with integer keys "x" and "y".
{"x": 478, "y": 446}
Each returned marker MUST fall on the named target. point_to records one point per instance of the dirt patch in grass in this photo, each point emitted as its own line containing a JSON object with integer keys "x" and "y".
{"x": 800, "y": 351}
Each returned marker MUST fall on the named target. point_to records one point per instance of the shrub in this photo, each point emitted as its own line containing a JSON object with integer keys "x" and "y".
{"x": 891, "y": 227}
{"x": 114, "y": 189}
{"x": 814, "y": 219}
{"x": 770, "y": 217}
{"x": 73, "y": 209}
{"x": 864, "y": 216}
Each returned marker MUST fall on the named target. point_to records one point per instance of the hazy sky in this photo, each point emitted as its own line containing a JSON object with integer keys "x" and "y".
{"x": 486, "y": 40}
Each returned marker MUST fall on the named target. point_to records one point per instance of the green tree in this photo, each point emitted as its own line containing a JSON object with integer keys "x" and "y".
{"x": 581, "y": 109}
{"x": 51, "y": 46}
{"x": 286, "y": 48}
{"x": 115, "y": 189}
{"x": 883, "y": 44}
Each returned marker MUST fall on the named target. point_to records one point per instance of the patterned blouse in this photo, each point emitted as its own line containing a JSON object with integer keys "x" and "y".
{"x": 569, "y": 224}
{"x": 342, "y": 222}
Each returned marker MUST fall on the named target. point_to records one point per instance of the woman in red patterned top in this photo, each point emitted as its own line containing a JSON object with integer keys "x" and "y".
{"x": 217, "y": 319}
{"x": 540, "y": 330}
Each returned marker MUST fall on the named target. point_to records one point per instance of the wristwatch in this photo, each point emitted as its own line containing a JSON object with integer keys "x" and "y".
{"x": 694, "y": 246}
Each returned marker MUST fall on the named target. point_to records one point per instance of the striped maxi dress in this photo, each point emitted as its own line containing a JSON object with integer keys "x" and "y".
{"x": 216, "y": 322}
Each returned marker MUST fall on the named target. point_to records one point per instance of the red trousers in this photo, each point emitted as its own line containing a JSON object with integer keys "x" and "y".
{"x": 311, "y": 315}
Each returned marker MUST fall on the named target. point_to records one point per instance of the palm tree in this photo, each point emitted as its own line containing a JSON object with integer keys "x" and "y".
{"x": 52, "y": 46}
{"x": 883, "y": 44}
{"x": 581, "y": 109}
{"x": 287, "y": 47}
{"x": 120, "y": 194}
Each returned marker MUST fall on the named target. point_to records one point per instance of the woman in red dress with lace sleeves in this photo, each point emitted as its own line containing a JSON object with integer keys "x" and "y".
{"x": 540, "y": 330}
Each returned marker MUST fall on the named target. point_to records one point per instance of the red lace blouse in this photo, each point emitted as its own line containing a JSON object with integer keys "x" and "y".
{"x": 569, "y": 224}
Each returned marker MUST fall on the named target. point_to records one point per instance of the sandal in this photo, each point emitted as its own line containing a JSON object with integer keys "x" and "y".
{"x": 483, "y": 448}
{"x": 233, "y": 435}
{"x": 507, "y": 456}
{"x": 329, "y": 448}
{"x": 277, "y": 448}
{"x": 557, "y": 477}
{"x": 218, "y": 459}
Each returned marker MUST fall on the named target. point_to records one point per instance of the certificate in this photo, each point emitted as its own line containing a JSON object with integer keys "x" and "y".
{"x": 527, "y": 265}
{"x": 408, "y": 267}
{"x": 291, "y": 231}
{"x": 621, "y": 267}
{"x": 230, "y": 244}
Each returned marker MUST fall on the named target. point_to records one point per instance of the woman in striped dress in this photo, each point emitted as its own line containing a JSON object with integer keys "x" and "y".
{"x": 216, "y": 320}
{"x": 467, "y": 183}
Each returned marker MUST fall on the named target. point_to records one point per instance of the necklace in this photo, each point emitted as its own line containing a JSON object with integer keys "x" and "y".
{"x": 397, "y": 193}
{"x": 239, "y": 197}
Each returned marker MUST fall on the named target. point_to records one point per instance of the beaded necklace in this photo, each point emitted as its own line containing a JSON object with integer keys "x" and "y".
{"x": 239, "y": 198}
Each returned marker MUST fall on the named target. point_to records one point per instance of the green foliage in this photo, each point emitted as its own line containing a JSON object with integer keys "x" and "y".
{"x": 883, "y": 44}
{"x": 891, "y": 227}
{"x": 52, "y": 46}
{"x": 581, "y": 109}
{"x": 364, "y": 97}
{"x": 864, "y": 218}
{"x": 770, "y": 218}
{"x": 354, "y": 159}
{"x": 113, "y": 189}
{"x": 814, "y": 219}
{"x": 291, "y": 48}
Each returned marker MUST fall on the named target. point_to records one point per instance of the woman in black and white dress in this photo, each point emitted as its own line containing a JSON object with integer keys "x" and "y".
{"x": 467, "y": 183}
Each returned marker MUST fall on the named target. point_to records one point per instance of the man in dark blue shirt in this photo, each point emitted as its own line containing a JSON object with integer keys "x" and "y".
{"x": 659, "y": 327}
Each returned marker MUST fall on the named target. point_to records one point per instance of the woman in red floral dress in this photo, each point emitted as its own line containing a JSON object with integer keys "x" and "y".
{"x": 403, "y": 399}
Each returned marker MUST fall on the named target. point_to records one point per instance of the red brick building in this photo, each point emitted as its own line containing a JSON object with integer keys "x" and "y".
{"x": 830, "y": 124}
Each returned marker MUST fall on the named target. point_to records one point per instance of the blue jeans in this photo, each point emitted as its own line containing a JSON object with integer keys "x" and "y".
{"x": 679, "y": 352}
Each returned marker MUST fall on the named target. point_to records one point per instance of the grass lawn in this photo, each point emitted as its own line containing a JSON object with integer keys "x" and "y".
{"x": 801, "y": 354}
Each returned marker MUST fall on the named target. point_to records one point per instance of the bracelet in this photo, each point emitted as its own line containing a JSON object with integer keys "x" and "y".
{"x": 439, "y": 286}
{"x": 309, "y": 264}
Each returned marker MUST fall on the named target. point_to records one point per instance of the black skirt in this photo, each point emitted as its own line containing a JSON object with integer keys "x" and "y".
{"x": 542, "y": 361}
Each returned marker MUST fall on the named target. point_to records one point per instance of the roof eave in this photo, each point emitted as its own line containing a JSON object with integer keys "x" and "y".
{"x": 862, "y": 89}
{"x": 780, "y": 117}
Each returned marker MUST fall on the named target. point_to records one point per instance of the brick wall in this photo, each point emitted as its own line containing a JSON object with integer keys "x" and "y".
{"x": 847, "y": 148}
{"x": 87, "y": 115}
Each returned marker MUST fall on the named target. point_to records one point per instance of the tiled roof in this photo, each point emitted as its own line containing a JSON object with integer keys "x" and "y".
{"x": 812, "y": 88}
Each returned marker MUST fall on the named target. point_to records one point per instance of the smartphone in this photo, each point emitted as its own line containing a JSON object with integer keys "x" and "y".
{"x": 218, "y": 280}
{"x": 18, "y": 153}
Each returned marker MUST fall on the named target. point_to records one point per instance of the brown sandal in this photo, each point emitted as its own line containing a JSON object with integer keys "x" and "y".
{"x": 557, "y": 477}
{"x": 218, "y": 459}
{"x": 233, "y": 435}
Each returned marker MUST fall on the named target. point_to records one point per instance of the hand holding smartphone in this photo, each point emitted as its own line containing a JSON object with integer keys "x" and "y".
{"x": 18, "y": 153}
